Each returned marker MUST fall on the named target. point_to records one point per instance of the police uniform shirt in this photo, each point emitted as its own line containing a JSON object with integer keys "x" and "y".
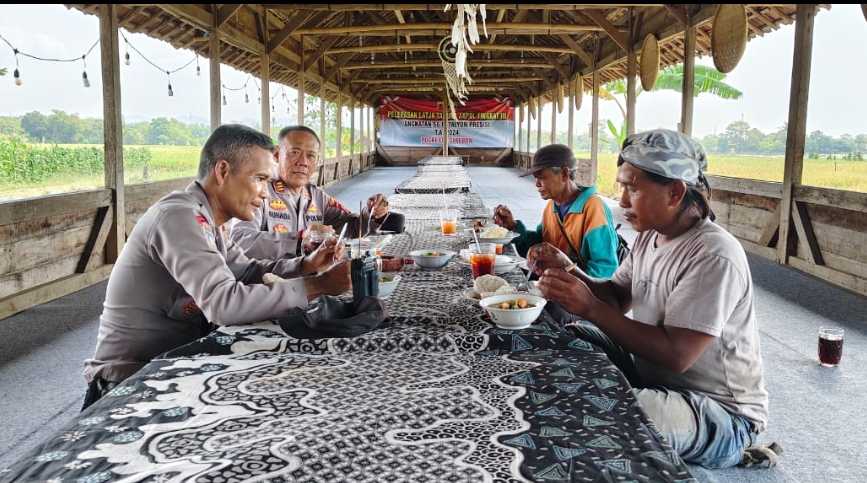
{"x": 276, "y": 230}
{"x": 177, "y": 270}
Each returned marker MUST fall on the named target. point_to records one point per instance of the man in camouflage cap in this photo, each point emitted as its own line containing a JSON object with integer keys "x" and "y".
{"x": 690, "y": 346}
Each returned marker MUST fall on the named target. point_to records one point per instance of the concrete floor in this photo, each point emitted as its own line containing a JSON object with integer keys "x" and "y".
{"x": 817, "y": 413}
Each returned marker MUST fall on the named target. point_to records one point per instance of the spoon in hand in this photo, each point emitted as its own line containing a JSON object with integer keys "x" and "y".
{"x": 525, "y": 286}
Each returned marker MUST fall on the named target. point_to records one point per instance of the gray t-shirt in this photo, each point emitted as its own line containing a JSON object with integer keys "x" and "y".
{"x": 701, "y": 281}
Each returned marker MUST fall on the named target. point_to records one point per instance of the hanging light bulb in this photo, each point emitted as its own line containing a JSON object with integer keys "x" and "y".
{"x": 198, "y": 69}
{"x": 126, "y": 59}
{"x": 170, "y": 91}
{"x": 246, "y": 98}
{"x": 224, "y": 99}
{"x": 84, "y": 72}
{"x": 17, "y": 75}
{"x": 371, "y": 58}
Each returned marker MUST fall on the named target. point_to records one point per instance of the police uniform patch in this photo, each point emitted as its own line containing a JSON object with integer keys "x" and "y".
{"x": 279, "y": 187}
{"x": 280, "y": 228}
{"x": 191, "y": 308}
{"x": 333, "y": 202}
{"x": 208, "y": 230}
{"x": 277, "y": 205}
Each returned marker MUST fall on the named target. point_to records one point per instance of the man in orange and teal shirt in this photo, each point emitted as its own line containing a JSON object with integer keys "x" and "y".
{"x": 577, "y": 211}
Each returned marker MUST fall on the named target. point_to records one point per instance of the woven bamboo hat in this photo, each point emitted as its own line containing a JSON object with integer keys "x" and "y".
{"x": 560, "y": 96}
{"x": 577, "y": 90}
{"x": 728, "y": 36}
{"x": 648, "y": 68}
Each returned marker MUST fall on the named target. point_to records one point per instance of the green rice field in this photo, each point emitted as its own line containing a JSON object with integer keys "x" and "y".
{"x": 166, "y": 162}
{"x": 837, "y": 174}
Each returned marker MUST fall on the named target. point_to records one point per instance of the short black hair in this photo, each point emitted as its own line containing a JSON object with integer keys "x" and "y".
{"x": 286, "y": 130}
{"x": 231, "y": 142}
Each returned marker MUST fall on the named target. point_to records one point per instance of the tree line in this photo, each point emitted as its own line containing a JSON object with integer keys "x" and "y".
{"x": 739, "y": 138}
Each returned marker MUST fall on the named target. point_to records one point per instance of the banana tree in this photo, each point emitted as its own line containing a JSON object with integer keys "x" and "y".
{"x": 707, "y": 80}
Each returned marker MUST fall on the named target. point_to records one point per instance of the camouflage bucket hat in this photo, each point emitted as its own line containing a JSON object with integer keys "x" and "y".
{"x": 668, "y": 153}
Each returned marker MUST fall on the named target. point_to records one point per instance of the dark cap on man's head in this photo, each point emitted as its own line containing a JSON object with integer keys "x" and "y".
{"x": 551, "y": 156}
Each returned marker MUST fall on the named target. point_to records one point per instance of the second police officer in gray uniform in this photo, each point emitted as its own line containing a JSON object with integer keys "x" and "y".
{"x": 295, "y": 206}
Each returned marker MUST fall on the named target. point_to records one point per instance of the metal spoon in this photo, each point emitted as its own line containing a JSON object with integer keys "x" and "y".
{"x": 525, "y": 286}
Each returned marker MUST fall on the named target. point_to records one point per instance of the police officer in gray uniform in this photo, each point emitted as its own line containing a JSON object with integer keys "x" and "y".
{"x": 295, "y": 206}
{"x": 179, "y": 273}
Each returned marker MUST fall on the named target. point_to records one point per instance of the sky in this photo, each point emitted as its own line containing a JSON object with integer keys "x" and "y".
{"x": 837, "y": 105}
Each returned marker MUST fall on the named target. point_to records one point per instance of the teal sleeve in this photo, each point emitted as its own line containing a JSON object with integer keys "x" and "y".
{"x": 526, "y": 238}
{"x": 599, "y": 248}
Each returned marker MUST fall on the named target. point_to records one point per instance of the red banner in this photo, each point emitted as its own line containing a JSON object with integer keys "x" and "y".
{"x": 481, "y": 123}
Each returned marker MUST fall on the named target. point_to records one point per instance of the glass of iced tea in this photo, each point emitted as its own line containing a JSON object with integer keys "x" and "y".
{"x": 449, "y": 221}
{"x": 482, "y": 258}
{"x": 313, "y": 239}
{"x": 830, "y": 346}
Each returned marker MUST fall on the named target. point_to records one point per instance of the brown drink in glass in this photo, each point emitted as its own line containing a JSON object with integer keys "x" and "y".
{"x": 830, "y": 346}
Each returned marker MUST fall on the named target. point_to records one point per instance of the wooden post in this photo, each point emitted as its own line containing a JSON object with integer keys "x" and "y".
{"x": 554, "y": 121}
{"x": 687, "y": 97}
{"x": 570, "y": 120}
{"x": 797, "y": 127}
{"x": 215, "y": 80}
{"x": 594, "y": 118}
{"x": 112, "y": 128}
{"x": 320, "y": 179}
{"x": 266, "y": 93}
{"x": 630, "y": 77}
{"x": 302, "y": 109}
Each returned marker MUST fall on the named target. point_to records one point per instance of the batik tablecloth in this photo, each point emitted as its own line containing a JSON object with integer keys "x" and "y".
{"x": 441, "y": 394}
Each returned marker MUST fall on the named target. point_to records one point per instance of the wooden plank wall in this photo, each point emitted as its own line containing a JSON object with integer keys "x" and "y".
{"x": 52, "y": 246}
{"x": 830, "y": 227}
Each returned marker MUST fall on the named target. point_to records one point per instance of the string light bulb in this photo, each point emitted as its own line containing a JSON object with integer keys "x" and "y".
{"x": 224, "y": 99}
{"x": 16, "y": 74}
{"x": 84, "y": 72}
{"x": 126, "y": 59}
{"x": 126, "y": 56}
{"x": 170, "y": 91}
{"x": 198, "y": 69}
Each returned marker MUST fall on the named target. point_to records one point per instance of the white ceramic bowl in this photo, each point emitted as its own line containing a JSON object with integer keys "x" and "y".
{"x": 431, "y": 262}
{"x": 387, "y": 283}
{"x": 513, "y": 318}
{"x": 504, "y": 264}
